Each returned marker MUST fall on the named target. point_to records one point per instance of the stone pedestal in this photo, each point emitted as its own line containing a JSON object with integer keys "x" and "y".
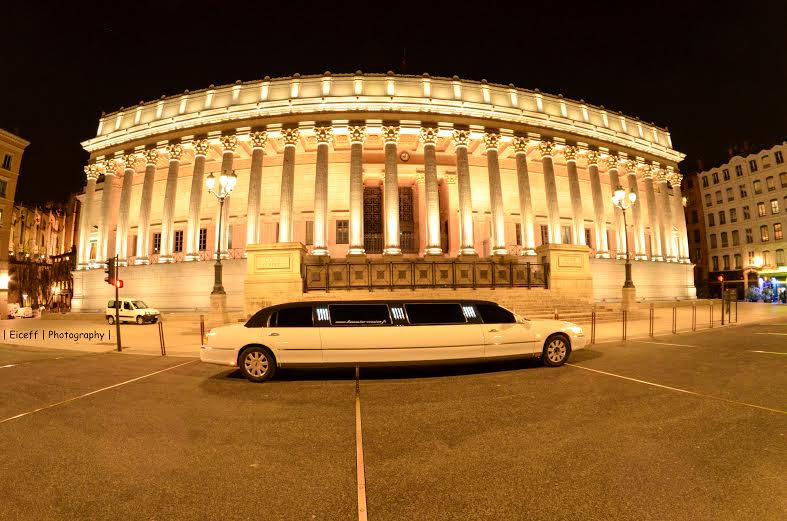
{"x": 569, "y": 268}
{"x": 629, "y": 298}
{"x": 273, "y": 274}
{"x": 218, "y": 311}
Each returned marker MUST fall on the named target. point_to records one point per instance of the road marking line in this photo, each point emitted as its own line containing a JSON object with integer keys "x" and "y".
{"x": 769, "y": 352}
{"x": 93, "y": 392}
{"x": 9, "y": 365}
{"x": 679, "y": 390}
{"x": 663, "y": 343}
{"x": 359, "y": 450}
{"x": 779, "y": 334}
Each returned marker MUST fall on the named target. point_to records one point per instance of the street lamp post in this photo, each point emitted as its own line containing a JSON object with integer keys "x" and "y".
{"x": 218, "y": 295}
{"x": 625, "y": 201}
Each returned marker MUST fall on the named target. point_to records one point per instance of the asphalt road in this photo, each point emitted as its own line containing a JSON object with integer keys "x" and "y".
{"x": 688, "y": 427}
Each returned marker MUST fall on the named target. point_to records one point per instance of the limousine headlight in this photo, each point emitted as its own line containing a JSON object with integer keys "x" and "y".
{"x": 576, "y": 331}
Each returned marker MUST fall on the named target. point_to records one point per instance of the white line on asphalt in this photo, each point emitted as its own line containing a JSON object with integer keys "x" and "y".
{"x": 359, "y": 450}
{"x": 92, "y": 392}
{"x": 9, "y": 365}
{"x": 679, "y": 390}
{"x": 663, "y": 343}
{"x": 778, "y": 334}
{"x": 769, "y": 352}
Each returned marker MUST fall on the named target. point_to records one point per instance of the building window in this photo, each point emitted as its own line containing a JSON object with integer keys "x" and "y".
{"x": 309, "y": 233}
{"x": 764, "y": 237}
{"x": 519, "y": 234}
{"x": 156, "y": 243}
{"x": 565, "y": 234}
{"x": 761, "y": 209}
{"x": 695, "y": 218}
{"x": 750, "y": 255}
{"x": 713, "y": 243}
{"x": 770, "y": 184}
{"x": 3, "y": 186}
{"x": 765, "y": 256}
{"x": 766, "y": 161}
{"x": 738, "y": 170}
{"x": 730, "y": 196}
{"x": 7, "y": 162}
{"x": 743, "y": 191}
{"x": 229, "y": 236}
{"x": 708, "y": 201}
{"x": 726, "y": 260}
{"x": 738, "y": 261}
{"x": 715, "y": 178}
{"x": 783, "y": 179}
{"x": 736, "y": 238}
{"x": 544, "y": 234}
{"x": 757, "y": 186}
{"x": 697, "y": 237}
{"x": 705, "y": 181}
{"x": 698, "y": 255}
{"x": 749, "y": 236}
{"x": 733, "y": 215}
{"x": 779, "y": 157}
{"x": 715, "y": 261}
{"x": 746, "y": 213}
{"x": 778, "y": 234}
{"x": 719, "y": 200}
{"x": 178, "y": 241}
{"x": 711, "y": 220}
{"x": 722, "y": 218}
{"x": 342, "y": 232}
{"x": 588, "y": 238}
{"x": 774, "y": 206}
{"x": 203, "y": 239}
{"x": 753, "y": 165}
{"x": 724, "y": 242}
{"x": 726, "y": 173}
{"x": 780, "y": 257}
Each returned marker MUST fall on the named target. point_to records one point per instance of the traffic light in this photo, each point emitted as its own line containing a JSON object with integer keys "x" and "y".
{"x": 720, "y": 278}
{"x": 111, "y": 271}
{"x": 118, "y": 283}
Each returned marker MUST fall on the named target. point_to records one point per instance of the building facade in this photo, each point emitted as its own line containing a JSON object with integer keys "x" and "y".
{"x": 695, "y": 231}
{"x": 12, "y": 148}
{"x": 744, "y": 203}
{"x": 374, "y": 167}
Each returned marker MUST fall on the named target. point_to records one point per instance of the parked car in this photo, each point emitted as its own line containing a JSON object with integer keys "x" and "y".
{"x": 132, "y": 310}
{"x": 24, "y": 312}
{"x": 386, "y": 332}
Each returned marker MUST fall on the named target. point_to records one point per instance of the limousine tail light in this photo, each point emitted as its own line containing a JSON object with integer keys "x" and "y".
{"x": 205, "y": 338}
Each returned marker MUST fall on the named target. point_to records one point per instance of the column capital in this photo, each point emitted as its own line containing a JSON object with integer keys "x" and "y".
{"x": 592, "y": 157}
{"x": 130, "y": 160}
{"x": 357, "y": 133}
{"x": 200, "y": 147}
{"x": 290, "y": 136}
{"x": 491, "y": 140}
{"x": 546, "y": 148}
{"x": 630, "y": 167}
{"x": 390, "y": 134}
{"x": 151, "y": 157}
{"x": 258, "y": 139}
{"x": 110, "y": 167}
{"x": 646, "y": 171}
{"x": 323, "y": 135}
{"x": 450, "y": 179}
{"x": 429, "y": 135}
{"x": 175, "y": 151}
{"x": 420, "y": 178}
{"x": 674, "y": 177}
{"x": 461, "y": 137}
{"x": 611, "y": 162}
{"x": 91, "y": 171}
{"x": 659, "y": 174}
{"x": 569, "y": 153}
{"x": 520, "y": 144}
{"x": 229, "y": 142}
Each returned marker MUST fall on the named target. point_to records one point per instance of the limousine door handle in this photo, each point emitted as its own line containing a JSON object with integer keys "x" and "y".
{"x": 273, "y": 334}
{"x": 494, "y": 330}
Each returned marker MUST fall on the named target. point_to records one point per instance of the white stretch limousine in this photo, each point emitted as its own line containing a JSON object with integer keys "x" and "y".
{"x": 378, "y": 332}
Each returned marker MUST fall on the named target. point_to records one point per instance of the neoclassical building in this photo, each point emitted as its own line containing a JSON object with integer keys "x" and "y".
{"x": 374, "y": 168}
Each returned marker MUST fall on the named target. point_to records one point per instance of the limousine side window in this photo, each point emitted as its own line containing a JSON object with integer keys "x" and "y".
{"x": 359, "y": 315}
{"x": 495, "y": 314}
{"x": 300, "y": 316}
{"x": 435, "y": 313}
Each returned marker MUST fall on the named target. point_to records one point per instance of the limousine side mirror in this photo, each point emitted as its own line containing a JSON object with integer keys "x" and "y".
{"x": 520, "y": 319}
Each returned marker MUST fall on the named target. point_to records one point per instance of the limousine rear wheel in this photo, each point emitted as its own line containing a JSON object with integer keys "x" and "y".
{"x": 257, "y": 364}
{"x": 556, "y": 351}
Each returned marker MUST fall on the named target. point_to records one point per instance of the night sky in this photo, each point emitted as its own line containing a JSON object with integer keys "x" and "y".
{"x": 715, "y": 73}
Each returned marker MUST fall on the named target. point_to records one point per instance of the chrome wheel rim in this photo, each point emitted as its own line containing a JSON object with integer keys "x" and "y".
{"x": 256, "y": 364}
{"x": 556, "y": 351}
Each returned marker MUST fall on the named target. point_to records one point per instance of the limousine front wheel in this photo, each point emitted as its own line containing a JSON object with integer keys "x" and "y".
{"x": 556, "y": 351}
{"x": 257, "y": 364}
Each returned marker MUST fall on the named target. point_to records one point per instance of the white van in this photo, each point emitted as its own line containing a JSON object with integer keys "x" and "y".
{"x": 132, "y": 310}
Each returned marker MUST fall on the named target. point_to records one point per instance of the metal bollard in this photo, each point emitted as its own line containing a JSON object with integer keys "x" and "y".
{"x": 557, "y": 315}
{"x": 674, "y": 319}
{"x": 624, "y": 324}
{"x": 161, "y": 338}
{"x": 652, "y": 313}
{"x": 693, "y": 316}
{"x": 710, "y": 314}
{"x": 202, "y": 329}
{"x": 736, "y": 310}
{"x": 593, "y": 326}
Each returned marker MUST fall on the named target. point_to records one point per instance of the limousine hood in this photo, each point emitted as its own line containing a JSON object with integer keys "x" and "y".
{"x": 557, "y": 325}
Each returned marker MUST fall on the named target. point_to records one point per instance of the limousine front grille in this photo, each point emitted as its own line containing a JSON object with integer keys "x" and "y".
{"x": 422, "y": 274}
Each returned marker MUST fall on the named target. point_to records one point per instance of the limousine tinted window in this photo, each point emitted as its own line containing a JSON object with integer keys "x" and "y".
{"x": 359, "y": 315}
{"x": 435, "y": 314}
{"x": 300, "y": 316}
{"x": 495, "y": 314}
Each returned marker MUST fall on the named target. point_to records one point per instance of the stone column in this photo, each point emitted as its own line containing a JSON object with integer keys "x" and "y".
{"x": 526, "y": 218}
{"x": 432, "y": 196}
{"x": 323, "y": 135}
{"x": 228, "y": 145}
{"x": 550, "y": 186}
{"x": 461, "y": 140}
{"x": 170, "y": 196}
{"x": 599, "y": 217}
{"x": 290, "y": 136}
{"x": 679, "y": 216}
{"x": 491, "y": 140}
{"x": 421, "y": 215}
{"x": 201, "y": 147}
{"x": 614, "y": 182}
{"x": 577, "y": 220}
{"x": 143, "y": 230}
{"x": 653, "y": 215}
{"x": 357, "y": 136}
{"x": 454, "y": 229}
{"x": 665, "y": 216}
{"x": 121, "y": 237}
{"x": 107, "y": 207}
{"x": 258, "y": 140}
{"x": 86, "y": 217}
{"x": 391, "y": 191}
{"x": 640, "y": 252}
